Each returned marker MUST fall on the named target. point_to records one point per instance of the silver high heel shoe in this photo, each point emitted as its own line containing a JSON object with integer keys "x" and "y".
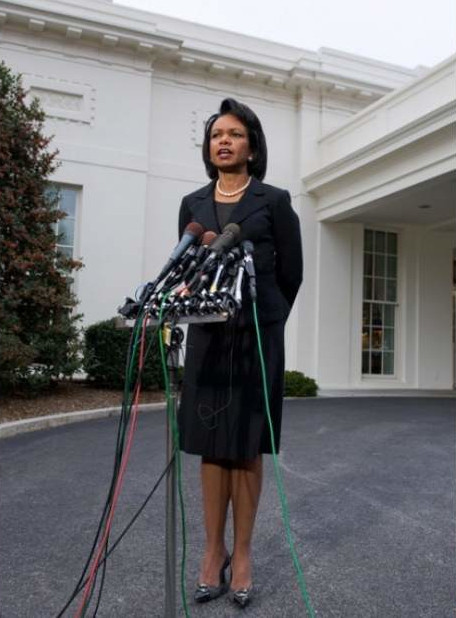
{"x": 242, "y": 596}
{"x": 204, "y": 593}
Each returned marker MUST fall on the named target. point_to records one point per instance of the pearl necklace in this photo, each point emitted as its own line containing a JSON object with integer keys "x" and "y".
{"x": 232, "y": 193}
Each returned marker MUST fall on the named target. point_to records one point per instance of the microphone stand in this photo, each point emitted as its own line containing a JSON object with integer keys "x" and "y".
{"x": 174, "y": 336}
{"x": 173, "y": 339}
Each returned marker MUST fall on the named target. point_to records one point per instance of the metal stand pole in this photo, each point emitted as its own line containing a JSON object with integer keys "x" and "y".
{"x": 170, "y": 561}
{"x": 173, "y": 338}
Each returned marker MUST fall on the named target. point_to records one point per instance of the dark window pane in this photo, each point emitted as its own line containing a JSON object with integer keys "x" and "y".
{"x": 368, "y": 240}
{"x": 377, "y": 314}
{"x": 366, "y": 314}
{"x": 379, "y": 289}
{"x": 367, "y": 288}
{"x": 389, "y": 315}
{"x": 388, "y": 363}
{"x": 377, "y": 338}
{"x": 365, "y": 362}
{"x": 380, "y": 242}
{"x": 391, "y": 266}
{"x": 379, "y": 266}
{"x": 365, "y": 339}
{"x": 368, "y": 264}
{"x": 391, "y": 290}
{"x": 376, "y": 359}
{"x": 388, "y": 335}
{"x": 392, "y": 243}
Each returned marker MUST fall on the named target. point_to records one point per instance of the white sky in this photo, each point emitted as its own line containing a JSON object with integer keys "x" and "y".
{"x": 405, "y": 32}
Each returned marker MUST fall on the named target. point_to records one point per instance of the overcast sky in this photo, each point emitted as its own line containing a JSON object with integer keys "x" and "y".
{"x": 405, "y": 32}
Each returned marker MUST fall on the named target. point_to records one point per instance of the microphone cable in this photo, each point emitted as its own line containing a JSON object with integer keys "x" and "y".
{"x": 123, "y": 533}
{"x": 172, "y": 423}
{"x": 280, "y": 487}
{"x": 127, "y": 403}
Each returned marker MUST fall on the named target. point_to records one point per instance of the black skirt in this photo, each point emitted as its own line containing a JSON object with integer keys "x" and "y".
{"x": 222, "y": 411}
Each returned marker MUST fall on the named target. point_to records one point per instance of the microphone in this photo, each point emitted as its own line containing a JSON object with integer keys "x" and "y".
{"x": 228, "y": 238}
{"x": 206, "y": 241}
{"x": 191, "y": 235}
{"x": 247, "y": 246}
{"x": 232, "y": 256}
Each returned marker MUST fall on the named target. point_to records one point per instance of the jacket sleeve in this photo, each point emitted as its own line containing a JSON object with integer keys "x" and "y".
{"x": 288, "y": 247}
{"x": 185, "y": 217}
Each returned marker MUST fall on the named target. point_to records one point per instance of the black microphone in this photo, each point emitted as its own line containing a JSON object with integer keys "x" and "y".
{"x": 191, "y": 235}
{"x": 247, "y": 246}
{"x": 207, "y": 240}
{"x": 227, "y": 259}
{"x": 228, "y": 238}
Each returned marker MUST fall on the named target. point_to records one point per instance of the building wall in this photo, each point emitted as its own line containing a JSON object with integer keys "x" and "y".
{"x": 434, "y": 354}
{"x": 129, "y": 132}
{"x": 424, "y": 347}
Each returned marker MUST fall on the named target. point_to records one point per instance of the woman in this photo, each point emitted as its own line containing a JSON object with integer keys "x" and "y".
{"x": 222, "y": 414}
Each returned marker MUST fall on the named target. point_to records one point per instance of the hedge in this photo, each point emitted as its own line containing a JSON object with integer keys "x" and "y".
{"x": 105, "y": 355}
{"x": 299, "y": 385}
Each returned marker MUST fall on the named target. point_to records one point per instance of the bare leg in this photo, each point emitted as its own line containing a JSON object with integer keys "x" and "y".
{"x": 245, "y": 494}
{"x": 215, "y": 480}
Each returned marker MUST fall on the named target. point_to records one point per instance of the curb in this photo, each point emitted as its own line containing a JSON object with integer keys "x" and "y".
{"x": 13, "y": 428}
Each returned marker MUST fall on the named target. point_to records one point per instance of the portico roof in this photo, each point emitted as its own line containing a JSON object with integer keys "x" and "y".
{"x": 393, "y": 157}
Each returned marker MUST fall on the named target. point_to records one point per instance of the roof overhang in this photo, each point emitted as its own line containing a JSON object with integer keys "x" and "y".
{"x": 379, "y": 163}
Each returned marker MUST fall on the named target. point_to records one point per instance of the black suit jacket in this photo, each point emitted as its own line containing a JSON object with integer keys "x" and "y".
{"x": 268, "y": 220}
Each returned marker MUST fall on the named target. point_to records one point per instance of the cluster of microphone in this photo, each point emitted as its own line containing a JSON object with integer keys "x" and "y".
{"x": 203, "y": 276}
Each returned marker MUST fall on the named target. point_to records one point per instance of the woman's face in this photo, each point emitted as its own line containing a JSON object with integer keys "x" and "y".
{"x": 229, "y": 146}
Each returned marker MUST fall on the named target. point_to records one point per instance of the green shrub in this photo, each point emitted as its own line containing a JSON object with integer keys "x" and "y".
{"x": 299, "y": 385}
{"x": 105, "y": 356}
{"x": 39, "y": 332}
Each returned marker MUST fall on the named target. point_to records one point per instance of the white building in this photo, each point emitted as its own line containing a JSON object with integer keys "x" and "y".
{"x": 366, "y": 149}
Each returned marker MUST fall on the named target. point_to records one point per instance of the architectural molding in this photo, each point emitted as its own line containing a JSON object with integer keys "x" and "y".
{"x": 62, "y": 99}
{"x": 195, "y": 47}
{"x": 391, "y": 142}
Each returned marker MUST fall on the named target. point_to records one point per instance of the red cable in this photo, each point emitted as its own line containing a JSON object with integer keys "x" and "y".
{"x": 119, "y": 481}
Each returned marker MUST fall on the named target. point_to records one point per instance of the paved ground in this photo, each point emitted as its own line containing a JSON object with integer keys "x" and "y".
{"x": 371, "y": 492}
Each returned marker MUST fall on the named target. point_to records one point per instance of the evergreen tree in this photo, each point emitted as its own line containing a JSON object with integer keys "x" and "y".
{"x": 38, "y": 327}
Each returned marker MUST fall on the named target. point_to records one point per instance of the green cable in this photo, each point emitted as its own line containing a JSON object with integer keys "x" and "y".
{"x": 280, "y": 488}
{"x": 175, "y": 431}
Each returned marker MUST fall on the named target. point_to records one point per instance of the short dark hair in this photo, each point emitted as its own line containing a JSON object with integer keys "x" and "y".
{"x": 257, "y": 140}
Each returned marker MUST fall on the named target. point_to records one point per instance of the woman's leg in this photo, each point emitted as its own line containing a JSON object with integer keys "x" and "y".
{"x": 245, "y": 495}
{"x": 215, "y": 480}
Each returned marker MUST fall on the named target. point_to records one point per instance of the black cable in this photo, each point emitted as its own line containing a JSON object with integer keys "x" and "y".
{"x": 121, "y": 430}
{"x": 126, "y": 529}
{"x": 103, "y": 578}
{"x": 112, "y": 484}
{"x": 104, "y": 563}
{"x": 124, "y": 419}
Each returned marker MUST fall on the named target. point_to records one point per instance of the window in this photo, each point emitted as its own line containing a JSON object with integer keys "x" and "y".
{"x": 379, "y": 302}
{"x": 65, "y": 228}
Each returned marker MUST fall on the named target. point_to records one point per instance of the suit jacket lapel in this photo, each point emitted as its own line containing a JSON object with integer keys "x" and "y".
{"x": 206, "y": 210}
{"x": 251, "y": 202}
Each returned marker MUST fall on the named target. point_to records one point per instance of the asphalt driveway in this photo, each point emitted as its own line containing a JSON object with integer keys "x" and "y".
{"x": 370, "y": 483}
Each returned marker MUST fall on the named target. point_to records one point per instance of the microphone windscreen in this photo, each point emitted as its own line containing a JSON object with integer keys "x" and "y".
{"x": 228, "y": 238}
{"x": 194, "y": 228}
{"x": 235, "y": 230}
{"x": 208, "y": 238}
